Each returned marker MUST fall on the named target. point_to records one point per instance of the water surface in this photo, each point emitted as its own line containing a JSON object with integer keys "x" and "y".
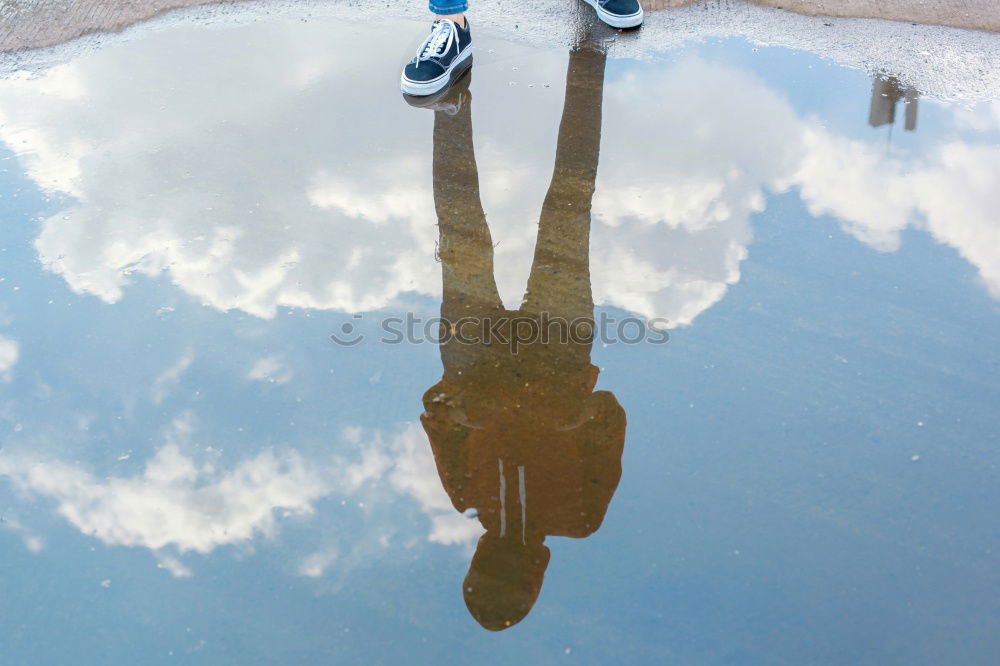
{"x": 215, "y": 450}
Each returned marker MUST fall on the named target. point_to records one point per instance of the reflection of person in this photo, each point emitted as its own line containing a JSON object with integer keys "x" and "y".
{"x": 521, "y": 436}
{"x": 447, "y": 51}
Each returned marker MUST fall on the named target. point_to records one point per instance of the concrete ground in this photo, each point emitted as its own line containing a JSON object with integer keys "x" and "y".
{"x": 26, "y": 24}
{"x": 977, "y": 14}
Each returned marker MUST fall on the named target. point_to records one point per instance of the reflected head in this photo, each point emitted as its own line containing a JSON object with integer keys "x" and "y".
{"x": 504, "y": 580}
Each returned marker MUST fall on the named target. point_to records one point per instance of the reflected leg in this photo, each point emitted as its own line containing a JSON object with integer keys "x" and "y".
{"x": 465, "y": 246}
{"x": 560, "y": 273}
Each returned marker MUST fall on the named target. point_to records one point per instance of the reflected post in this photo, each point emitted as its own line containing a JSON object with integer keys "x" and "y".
{"x": 886, "y": 94}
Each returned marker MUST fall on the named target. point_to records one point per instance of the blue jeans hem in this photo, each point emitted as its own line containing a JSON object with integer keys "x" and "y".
{"x": 453, "y": 9}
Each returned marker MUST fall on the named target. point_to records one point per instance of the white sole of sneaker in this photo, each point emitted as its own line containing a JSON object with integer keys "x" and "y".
{"x": 614, "y": 20}
{"x": 422, "y": 88}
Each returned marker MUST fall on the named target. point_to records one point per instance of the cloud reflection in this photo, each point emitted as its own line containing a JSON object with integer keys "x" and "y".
{"x": 177, "y": 505}
{"x": 10, "y": 351}
{"x": 174, "y": 502}
{"x": 258, "y": 191}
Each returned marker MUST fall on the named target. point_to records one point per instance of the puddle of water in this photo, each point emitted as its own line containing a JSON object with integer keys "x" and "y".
{"x": 761, "y": 428}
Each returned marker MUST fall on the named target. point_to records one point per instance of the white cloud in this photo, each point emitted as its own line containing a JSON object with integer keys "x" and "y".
{"x": 856, "y": 183}
{"x": 271, "y": 369}
{"x": 10, "y": 351}
{"x": 175, "y": 567}
{"x": 314, "y": 565}
{"x": 232, "y": 189}
{"x": 980, "y": 118}
{"x": 390, "y": 470}
{"x": 673, "y": 206}
{"x": 33, "y": 542}
{"x": 950, "y": 192}
{"x": 415, "y": 474}
{"x": 170, "y": 377}
{"x": 175, "y": 502}
{"x": 345, "y": 220}
{"x": 957, "y": 195}
{"x": 177, "y": 505}
{"x": 252, "y": 239}
{"x": 405, "y": 464}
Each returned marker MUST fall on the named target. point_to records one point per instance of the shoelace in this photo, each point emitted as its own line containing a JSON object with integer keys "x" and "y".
{"x": 440, "y": 41}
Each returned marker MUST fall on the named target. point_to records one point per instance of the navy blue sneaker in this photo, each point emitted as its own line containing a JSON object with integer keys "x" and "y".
{"x": 442, "y": 58}
{"x": 618, "y": 13}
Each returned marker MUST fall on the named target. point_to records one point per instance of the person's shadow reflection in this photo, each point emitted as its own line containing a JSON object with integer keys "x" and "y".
{"x": 518, "y": 433}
